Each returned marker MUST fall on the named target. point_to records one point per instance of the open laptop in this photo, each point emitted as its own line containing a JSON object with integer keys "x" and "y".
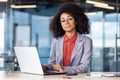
{"x": 29, "y": 61}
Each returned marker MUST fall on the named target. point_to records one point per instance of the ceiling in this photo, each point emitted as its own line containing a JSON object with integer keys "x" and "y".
{"x": 88, "y": 7}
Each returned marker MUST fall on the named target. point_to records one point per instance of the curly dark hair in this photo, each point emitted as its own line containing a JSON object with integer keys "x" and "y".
{"x": 77, "y": 12}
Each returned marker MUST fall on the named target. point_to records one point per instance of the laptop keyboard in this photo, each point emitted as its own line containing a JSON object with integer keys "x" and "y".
{"x": 53, "y": 72}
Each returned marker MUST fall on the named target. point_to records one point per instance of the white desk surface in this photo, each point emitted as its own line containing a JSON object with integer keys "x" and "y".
{"x": 82, "y": 76}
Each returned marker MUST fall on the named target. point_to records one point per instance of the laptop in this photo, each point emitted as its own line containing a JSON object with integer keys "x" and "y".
{"x": 29, "y": 62}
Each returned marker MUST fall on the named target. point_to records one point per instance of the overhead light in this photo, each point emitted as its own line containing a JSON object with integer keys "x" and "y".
{"x": 106, "y": 7}
{"x": 3, "y": 0}
{"x": 96, "y": 3}
{"x": 22, "y": 6}
{"x": 99, "y": 4}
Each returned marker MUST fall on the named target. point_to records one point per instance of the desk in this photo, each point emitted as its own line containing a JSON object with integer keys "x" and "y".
{"x": 24, "y": 76}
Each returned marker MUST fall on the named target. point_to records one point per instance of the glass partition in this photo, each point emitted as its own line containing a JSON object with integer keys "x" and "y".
{"x": 96, "y": 33}
{"x": 2, "y": 37}
{"x": 3, "y": 22}
{"x": 104, "y": 28}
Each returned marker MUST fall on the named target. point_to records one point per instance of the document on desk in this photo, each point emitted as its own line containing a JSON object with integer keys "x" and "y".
{"x": 94, "y": 74}
{"x": 111, "y": 75}
{"x": 104, "y": 74}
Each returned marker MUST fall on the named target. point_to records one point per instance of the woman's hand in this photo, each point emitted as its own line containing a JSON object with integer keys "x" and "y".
{"x": 59, "y": 68}
{"x": 44, "y": 67}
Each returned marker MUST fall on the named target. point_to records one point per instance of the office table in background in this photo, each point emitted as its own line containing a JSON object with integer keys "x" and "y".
{"x": 82, "y": 76}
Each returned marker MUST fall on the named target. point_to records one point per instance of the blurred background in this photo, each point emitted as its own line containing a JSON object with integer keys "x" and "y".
{"x": 26, "y": 23}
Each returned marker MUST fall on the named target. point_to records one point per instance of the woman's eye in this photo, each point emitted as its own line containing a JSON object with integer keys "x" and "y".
{"x": 70, "y": 19}
{"x": 62, "y": 20}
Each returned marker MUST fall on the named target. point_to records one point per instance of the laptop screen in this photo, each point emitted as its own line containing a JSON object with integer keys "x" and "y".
{"x": 28, "y": 60}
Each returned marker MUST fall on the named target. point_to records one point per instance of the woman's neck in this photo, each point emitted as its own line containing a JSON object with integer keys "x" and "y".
{"x": 69, "y": 34}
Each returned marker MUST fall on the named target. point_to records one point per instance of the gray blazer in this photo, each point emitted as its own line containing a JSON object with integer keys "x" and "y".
{"x": 81, "y": 56}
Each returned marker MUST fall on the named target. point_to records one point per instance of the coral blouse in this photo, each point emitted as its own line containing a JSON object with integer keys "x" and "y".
{"x": 69, "y": 45}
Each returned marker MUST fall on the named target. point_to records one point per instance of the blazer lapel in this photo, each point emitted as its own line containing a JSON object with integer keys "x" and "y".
{"x": 77, "y": 45}
{"x": 61, "y": 49}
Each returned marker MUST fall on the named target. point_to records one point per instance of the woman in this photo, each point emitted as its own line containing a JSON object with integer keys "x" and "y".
{"x": 71, "y": 50}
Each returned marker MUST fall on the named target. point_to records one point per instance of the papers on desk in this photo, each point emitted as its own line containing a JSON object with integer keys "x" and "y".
{"x": 94, "y": 74}
{"x": 111, "y": 75}
{"x": 104, "y": 74}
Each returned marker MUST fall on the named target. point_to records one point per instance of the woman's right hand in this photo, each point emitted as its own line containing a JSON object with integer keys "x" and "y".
{"x": 59, "y": 68}
{"x": 44, "y": 67}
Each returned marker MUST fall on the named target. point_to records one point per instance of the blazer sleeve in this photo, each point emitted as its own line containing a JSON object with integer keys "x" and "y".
{"x": 52, "y": 58}
{"x": 85, "y": 60}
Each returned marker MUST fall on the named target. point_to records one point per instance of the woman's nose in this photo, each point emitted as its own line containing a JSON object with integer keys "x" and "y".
{"x": 67, "y": 21}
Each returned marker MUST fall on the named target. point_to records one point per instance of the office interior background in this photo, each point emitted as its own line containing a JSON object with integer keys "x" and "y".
{"x": 26, "y": 23}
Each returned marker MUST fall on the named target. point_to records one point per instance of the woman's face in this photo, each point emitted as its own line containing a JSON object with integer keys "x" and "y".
{"x": 67, "y": 22}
